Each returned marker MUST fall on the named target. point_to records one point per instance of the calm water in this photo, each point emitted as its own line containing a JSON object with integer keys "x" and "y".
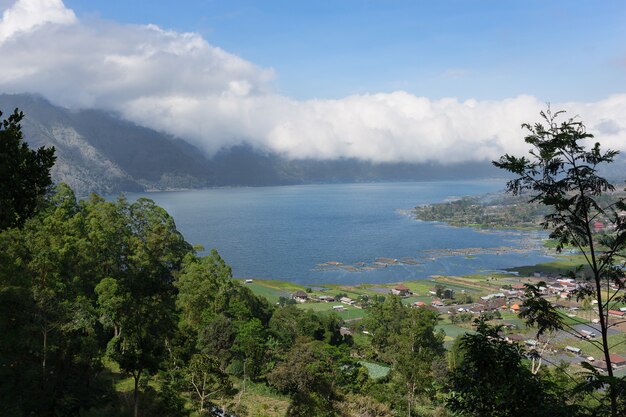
{"x": 286, "y": 232}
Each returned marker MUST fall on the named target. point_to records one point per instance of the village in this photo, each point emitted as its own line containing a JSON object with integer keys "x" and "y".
{"x": 460, "y": 300}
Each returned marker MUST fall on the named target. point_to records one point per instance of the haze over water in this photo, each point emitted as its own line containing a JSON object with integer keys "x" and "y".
{"x": 285, "y": 232}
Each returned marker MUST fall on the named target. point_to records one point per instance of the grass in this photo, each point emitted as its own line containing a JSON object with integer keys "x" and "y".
{"x": 560, "y": 266}
{"x": 453, "y": 331}
{"x": 121, "y": 382}
{"x": 572, "y": 321}
{"x": 362, "y": 340}
{"x": 272, "y": 294}
{"x": 260, "y": 400}
{"x": 376, "y": 371}
{"x": 590, "y": 349}
{"x": 424, "y": 298}
{"x": 469, "y": 285}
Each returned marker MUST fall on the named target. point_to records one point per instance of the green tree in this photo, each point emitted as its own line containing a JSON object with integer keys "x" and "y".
{"x": 563, "y": 175}
{"x": 57, "y": 322}
{"x": 489, "y": 379}
{"x": 416, "y": 348}
{"x": 384, "y": 321}
{"x": 24, "y": 174}
{"x": 206, "y": 379}
{"x": 138, "y": 305}
{"x": 249, "y": 346}
{"x": 315, "y": 375}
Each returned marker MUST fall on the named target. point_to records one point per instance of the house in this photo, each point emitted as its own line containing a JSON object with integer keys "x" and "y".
{"x": 573, "y": 349}
{"x": 617, "y": 313}
{"x": 491, "y": 296}
{"x": 326, "y": 298}
{"x": 300, "y": 296}
{"x": 437, "y": 303}
{"x": 515, "y": 308}
{"x": 401, "y": 290}
{"x": 493, "y": 304}
{"x": 586, "y": 334}
{"x": 556, "y": 288}
{"x": 600, "y": 365}
{"x": 346, "y": 300}
{"x": 421, "y": 304}
{"x": 518, "y": 287}
{"x": 476, "y": 309}
{"x": 617, "y": 361}
{"x": 248, "y": 281}
{"x": 339, "y": 308}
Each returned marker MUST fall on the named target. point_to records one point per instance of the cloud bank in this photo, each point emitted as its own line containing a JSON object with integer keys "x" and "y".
{"x": 179, "y": 83}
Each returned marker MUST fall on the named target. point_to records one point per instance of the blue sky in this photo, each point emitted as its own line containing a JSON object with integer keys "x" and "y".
{"x": 487, "y": 50}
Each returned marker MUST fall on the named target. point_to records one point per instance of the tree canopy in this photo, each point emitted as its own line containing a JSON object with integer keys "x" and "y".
{"x": 25, "y": 173}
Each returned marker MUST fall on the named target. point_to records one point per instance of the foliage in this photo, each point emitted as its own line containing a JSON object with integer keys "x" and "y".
{"x": 417, "y": 347}
{"x": 491, "y": 380}
{"x": 463, "y": 317}
{"x": 313, "y": 373}
{"x": 406, "y": 338}
{"x": 53, "y": 350}
{"x": 25, "y": 174}
{"x": 384, "y": 321}
{"x": 563, "y": 175}
{"x": 206, "y": 379}
{"x": 86, "y": 275}
{"x": 354, "y": 405}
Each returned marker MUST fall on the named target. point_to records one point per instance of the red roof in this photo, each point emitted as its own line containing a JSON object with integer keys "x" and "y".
{"x": 518, "y": 286}
{"x": 616, "y": 312}
{"x": 617, "y": 358}
{"x": 401, "y": 287}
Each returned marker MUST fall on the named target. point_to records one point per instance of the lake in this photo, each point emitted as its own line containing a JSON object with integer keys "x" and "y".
{"x": 343, "y": 233}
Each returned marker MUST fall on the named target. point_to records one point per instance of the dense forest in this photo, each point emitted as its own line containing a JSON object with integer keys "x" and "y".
{"x": 91, "y": 289}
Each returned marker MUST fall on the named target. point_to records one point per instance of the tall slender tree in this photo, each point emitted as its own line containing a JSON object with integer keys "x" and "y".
{"x": 562, "y": 174}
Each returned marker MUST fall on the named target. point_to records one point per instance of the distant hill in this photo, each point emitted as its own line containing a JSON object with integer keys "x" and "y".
{"x": 100, "y": 152}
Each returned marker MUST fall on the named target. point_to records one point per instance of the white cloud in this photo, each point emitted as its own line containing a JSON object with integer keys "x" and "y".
{"x": 179, "y": 83}
{"x": 27, "y": 14}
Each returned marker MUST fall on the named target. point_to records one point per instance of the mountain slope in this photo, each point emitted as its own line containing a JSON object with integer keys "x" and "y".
{"x": 99, "y": 152}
